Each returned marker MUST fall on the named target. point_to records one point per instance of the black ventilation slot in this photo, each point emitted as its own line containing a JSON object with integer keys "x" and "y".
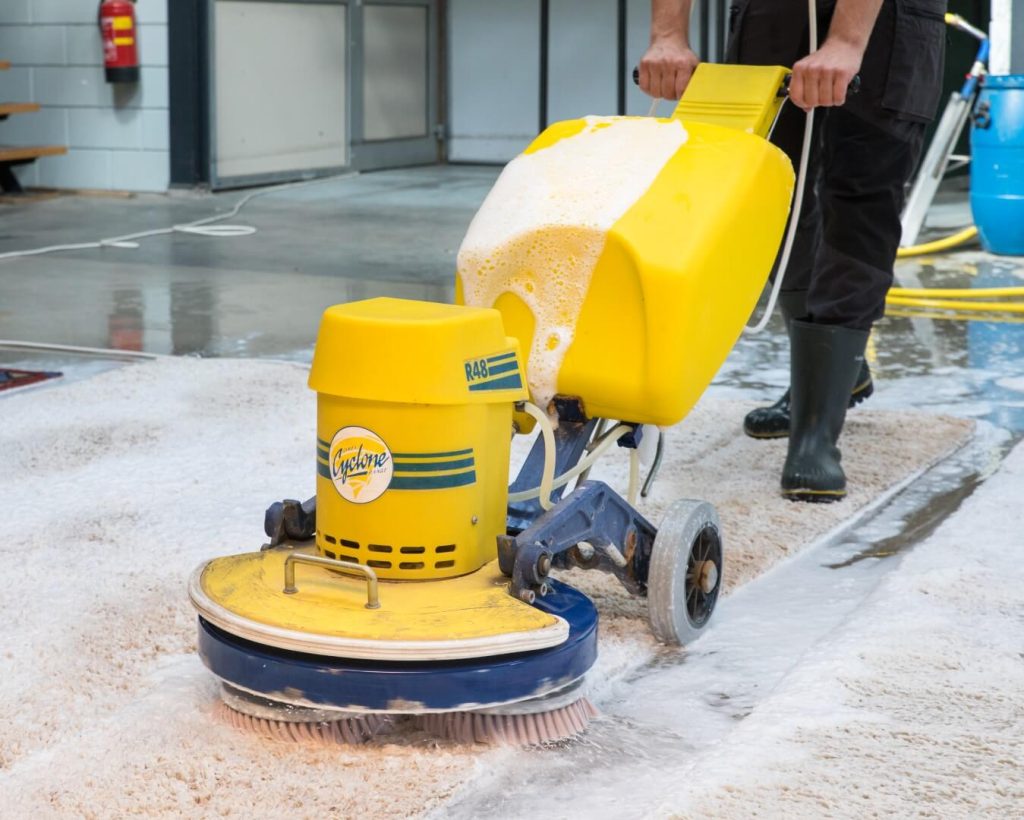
{"x": 444, "y": 564}
{"x": 413, "y": 550}
{"x": 379, "y": 548}
{"x": 411, "y": 565}
{"x": 445, "y": 548}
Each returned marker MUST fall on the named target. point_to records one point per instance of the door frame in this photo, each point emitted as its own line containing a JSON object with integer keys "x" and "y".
{"x": 193, "y": 83}
{"x": 218, "y": 182}
{"x": 367, "y": 155}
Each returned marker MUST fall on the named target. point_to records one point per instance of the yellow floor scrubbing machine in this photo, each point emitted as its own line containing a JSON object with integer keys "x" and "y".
{"x": 417, "y": 582}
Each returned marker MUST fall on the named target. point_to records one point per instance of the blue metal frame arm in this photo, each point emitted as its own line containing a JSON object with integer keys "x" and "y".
{"x": 571, "y": 439}
{"x": 578, "y": 533}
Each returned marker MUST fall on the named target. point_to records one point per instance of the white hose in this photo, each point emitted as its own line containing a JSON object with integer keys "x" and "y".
{"x": 106, "y": 352}
{"x": 547, "y": 478}
{"x": 584, "y": 463}
{"x": 201, "y": 227}
{"x": 634, "y": 477}
{"x": 801, "y": 181}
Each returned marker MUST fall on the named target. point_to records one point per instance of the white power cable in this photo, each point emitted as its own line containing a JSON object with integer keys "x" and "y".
{"x": 634, "y": 477}
{"x": 201, "y": 227}
{"x": 53, "y": 347}
{"x": 798, "y": 200}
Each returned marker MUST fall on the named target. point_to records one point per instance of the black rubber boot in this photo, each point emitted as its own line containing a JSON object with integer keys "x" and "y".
{"x": 824, "y": 363}
{"x": 773, "y": 421}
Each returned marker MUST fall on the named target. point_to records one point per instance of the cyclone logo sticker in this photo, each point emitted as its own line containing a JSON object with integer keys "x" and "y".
{"x": 361, "y": 465}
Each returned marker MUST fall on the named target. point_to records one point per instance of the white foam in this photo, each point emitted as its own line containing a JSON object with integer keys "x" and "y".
{"x": 542, "y": 228}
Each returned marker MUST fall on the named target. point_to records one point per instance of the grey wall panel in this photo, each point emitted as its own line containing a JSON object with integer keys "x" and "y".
{"x": 279, "y": 109}
{"x": 583, "y": 59}
{"x": 494, "y": 77}
{"x": 638, "y": 36}
{"x": 395, "y": 72}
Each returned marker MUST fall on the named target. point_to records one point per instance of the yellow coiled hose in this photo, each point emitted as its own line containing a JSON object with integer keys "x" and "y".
{"x": 944, "y": 244}
{"x": 907, "y": 301}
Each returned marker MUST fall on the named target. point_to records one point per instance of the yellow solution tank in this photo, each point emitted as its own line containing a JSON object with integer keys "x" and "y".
{"x": 414, "y": 422}
{"x": 626, "y": 253}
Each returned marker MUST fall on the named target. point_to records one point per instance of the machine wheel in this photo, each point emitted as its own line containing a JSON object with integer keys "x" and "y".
{"x": 685, "y": 572}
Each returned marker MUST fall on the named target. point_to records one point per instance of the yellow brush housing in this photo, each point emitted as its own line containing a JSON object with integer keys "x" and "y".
{"x": 414, "y": 420}
{"x": 681, "y": 271}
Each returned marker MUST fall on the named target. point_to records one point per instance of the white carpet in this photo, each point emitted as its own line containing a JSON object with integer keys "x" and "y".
{"x": 116, "y": 487}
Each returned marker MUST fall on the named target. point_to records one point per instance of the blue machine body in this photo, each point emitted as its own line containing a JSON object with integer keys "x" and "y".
{"x": 997, "y": 164}
{"x": 347, "y": 684}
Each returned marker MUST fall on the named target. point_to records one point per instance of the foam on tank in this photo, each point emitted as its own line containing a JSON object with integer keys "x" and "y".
{"x": 542, "y": 228}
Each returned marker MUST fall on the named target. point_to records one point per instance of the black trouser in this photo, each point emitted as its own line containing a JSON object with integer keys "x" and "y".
{"x": 862, "y": 154}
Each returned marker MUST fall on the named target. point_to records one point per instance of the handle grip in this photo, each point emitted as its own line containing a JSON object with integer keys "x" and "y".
{"x": 852, "y": 88}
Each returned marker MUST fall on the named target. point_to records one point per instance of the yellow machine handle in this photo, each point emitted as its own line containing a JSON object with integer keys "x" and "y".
{"x": 744, "y": 97}
{"x": 342, "y": 567}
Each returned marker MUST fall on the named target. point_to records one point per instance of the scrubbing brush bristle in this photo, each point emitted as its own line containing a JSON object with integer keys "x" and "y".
{"x": 548, "y": 719}
{"x": 348, "y": 730}
{"x": 296, "y": 724}
{"x": 518, "y": 729}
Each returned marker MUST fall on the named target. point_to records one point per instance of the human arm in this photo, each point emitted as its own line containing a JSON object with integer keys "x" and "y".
{"x": 822, "y": 78}
{"x": 667, "y": 66}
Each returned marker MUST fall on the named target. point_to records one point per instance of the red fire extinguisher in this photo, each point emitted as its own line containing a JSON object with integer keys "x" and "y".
{"x": 120, "y": 40}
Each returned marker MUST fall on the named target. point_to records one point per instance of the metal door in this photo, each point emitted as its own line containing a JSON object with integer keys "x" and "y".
{"x": 303, "y": 88}
{"x": 393, "y": 83}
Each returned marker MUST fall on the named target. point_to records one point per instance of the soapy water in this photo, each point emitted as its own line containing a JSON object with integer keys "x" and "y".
{"x": 962, "y": 368}
{"x": 658, "y": 721}
{"x": 541, "y": 230}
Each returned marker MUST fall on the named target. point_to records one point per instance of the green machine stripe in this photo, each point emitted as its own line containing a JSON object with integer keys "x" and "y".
{"x": 468, "y": 452}
{"x": 432, "y": 482}
{"x": 431, "y": 466}
{"x": 326, "y": 445}
{"x": 324, "y": 454}
{"x": 504, "y": 383}
{"x": 324, "y": 470}
{"x": 504, "y": 367}
{"x": 501, "y": 358}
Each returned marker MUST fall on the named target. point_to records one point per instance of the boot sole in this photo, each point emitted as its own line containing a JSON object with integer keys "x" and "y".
{"x": 860, "y": 393}
{"x": 766, "y": 436}
{"x": 814, "y": 496}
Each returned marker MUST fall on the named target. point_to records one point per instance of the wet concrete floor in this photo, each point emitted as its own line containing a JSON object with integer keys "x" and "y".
{"x": 397, "y": 233}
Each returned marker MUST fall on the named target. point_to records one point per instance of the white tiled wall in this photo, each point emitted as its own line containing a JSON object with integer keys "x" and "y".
{"x": 117, "y": 135}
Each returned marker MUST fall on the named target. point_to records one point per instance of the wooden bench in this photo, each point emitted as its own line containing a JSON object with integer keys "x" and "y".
{"x": 6, "y": 109}
{"x": 9, "y": 157}
{"x": 19, "y": 155}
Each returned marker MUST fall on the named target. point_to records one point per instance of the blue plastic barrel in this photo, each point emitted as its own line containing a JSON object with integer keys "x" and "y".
{"x": 997, "y": 164}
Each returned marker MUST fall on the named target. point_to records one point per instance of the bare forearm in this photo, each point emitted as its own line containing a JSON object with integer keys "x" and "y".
{"x": 853, "y": 21}
{"x": 822, "y": 78}
{"x": 669, "y": 63}
{"x": 670, "y": 21}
